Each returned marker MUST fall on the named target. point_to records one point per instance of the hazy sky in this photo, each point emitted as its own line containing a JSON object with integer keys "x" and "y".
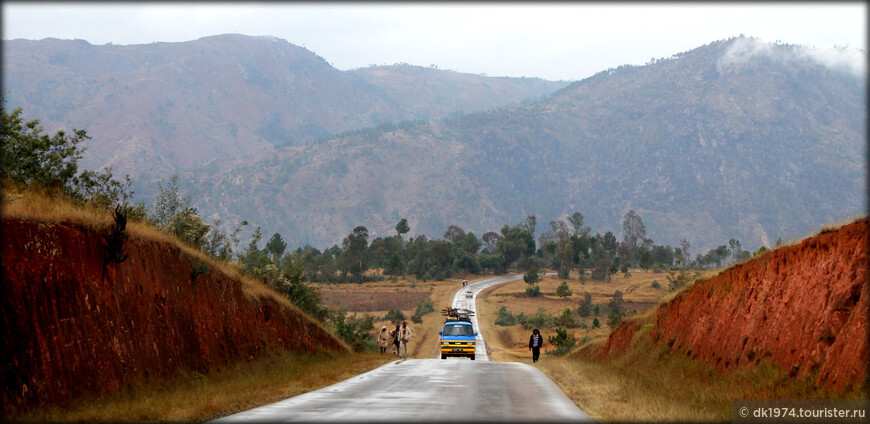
{"x": 567, "y": 41}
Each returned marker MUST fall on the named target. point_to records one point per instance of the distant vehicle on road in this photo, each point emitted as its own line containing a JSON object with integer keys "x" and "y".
{"x": 457, "y": 339}
{"x": 469, "y": 293}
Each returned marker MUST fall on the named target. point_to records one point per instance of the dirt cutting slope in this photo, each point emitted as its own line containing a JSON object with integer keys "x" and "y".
{"x": 803, "y": 307}
{"x": 72, "y": 324}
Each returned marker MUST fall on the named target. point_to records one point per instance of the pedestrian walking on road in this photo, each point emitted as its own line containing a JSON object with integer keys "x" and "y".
{"x": 404, "y": 338}
{"x": 535, "y": 343}
{"x": 395, "y": 337}
{"x": 384, "y": 339}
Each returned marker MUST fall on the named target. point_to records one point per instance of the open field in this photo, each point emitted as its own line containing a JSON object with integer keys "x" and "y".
{"x": 374, "y": 297}
{"x": 511, "y": 343}
{"x": 377, "y": 298}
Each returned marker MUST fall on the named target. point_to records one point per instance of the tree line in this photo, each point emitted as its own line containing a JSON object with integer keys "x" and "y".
{"x": 567, "y": 246}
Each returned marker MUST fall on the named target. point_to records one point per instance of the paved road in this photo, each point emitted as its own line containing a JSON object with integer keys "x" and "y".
{"x": 432, "y": 390}
{"x": 460, "y": 301}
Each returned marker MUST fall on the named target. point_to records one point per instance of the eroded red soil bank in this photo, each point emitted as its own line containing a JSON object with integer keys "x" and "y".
{"x": 72, "y": 325}
{"x": 803, "y": 307}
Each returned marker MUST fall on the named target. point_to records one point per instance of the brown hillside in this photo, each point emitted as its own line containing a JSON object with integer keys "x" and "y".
{"x": 802, "y": 307}
{"x": 73, "y": 325}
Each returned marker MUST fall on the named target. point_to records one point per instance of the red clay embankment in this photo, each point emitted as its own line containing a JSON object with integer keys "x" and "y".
{"x": 73, "y": 325}
{"x": 803, "y": 307}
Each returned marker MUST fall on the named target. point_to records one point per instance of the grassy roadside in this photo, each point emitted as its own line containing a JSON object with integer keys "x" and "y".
{"x": 647, "y": 383}
{"x": 196, "y": 397}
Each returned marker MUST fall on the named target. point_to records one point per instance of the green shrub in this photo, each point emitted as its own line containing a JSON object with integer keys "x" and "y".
{"x": 678, "y": 280}
{"x": 655, "y": 284}
{"x": 505, "y": 318}
{"x": 394, "y": 315}
{"x": 563, "y": 341}
{"x": 614, "y": 319}
{"x": 354, "y": 330}
{"x": 423, "y": 308}
{"x": 567, "y": 319}
{"x": 563, "y": 290}
{"x": 533, "y": 291}
{"x": 521, "y": 319}
{"x": 585, "y": 307}
{"x": 540, "y": 319}
{"x": 198, "y": 268}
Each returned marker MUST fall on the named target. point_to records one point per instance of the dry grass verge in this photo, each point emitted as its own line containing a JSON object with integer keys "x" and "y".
{"x": 191, "y": 396}
{"x": 650, "y": 384}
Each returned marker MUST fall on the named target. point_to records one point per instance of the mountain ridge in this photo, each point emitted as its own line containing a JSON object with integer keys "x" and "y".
{"x": 154, "y": 109}
{"x": 734, "y": 139}
{"x": 702, "y": 148}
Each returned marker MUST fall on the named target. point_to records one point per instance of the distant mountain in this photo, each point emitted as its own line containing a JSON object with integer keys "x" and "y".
{"x": 735, "y": 139}
{"x": 157, "y": 108}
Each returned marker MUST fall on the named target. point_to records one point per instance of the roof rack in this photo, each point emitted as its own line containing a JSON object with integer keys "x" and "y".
{"x": 457, "y": 314}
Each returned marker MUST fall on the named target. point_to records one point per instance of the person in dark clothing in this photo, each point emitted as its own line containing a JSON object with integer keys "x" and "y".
{"x": 535, "y": 343}
{"x": 395, "y": 334}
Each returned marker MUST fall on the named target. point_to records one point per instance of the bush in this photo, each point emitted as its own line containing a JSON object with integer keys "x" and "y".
{"x": 521, "y": 319}
{"x": 678, "y": 280}
{"x": 566, "y": 319}
{"x": 423, "y": 308}
{"x": 533, "y": 275}
{"x": 354, "y": 330}
{"x": 505, "y": 318}
{"x": 540, "y": 319}
{"x": 614, "y": 318}
{"x": 563, "y": 341}
{"x": 655, "y": 284}
{"x": 394, "y": 315}
{"x": 585, "y": 307}
{"x": 595, "y": 323}
{"x": 563, "y": 290}
{"x": 533, "y": 291}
